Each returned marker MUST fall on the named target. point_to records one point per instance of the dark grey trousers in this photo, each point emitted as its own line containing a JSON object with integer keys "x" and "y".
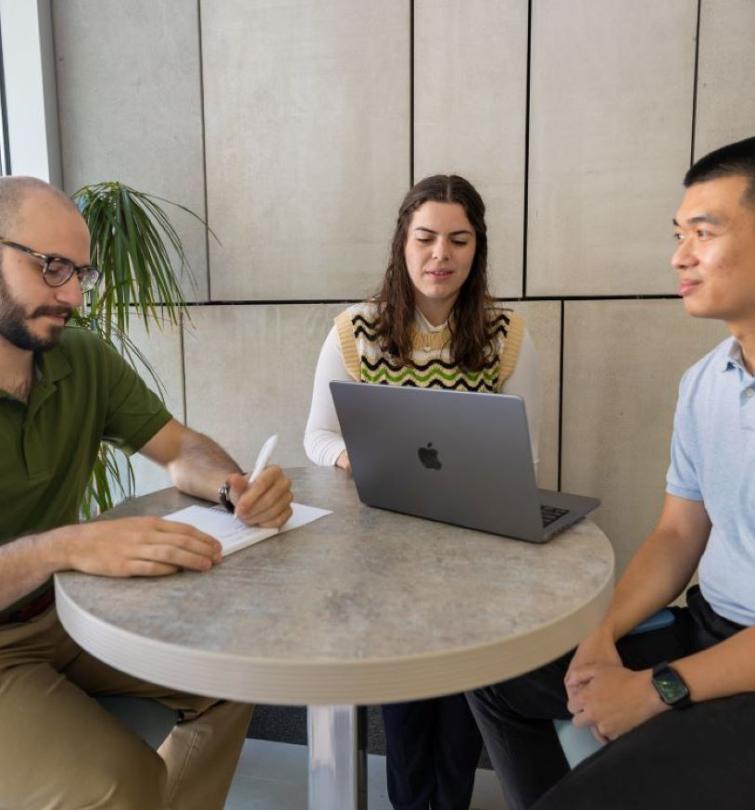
{"x": 432, "y": 750}
{"x": 701, "y": 757}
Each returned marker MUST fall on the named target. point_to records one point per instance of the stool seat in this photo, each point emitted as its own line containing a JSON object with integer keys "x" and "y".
{"x": 578, "y": 743}
{"x": 148, "y": 719}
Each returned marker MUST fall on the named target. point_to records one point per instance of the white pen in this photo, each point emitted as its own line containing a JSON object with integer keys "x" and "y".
{"x": 263, "y": 458}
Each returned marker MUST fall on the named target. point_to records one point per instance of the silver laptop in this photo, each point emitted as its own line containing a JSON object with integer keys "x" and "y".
{"x": 454, "y": 456}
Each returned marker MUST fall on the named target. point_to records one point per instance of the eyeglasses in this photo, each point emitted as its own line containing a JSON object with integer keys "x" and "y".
{"x": 56, "y": 270}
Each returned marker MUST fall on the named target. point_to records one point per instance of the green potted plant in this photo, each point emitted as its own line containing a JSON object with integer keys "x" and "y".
{"x": 142, "y": 260}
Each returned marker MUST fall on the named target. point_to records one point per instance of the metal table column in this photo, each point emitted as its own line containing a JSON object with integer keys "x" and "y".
{"x": 337, "y": 757}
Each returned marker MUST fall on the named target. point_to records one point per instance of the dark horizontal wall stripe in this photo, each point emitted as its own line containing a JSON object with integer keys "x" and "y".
{"x": 347, "y": 301}
{"x": 271, "y": 302}
{"x": 647, "y": 297}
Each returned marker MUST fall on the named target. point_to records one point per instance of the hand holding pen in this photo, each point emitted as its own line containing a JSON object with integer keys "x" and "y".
{"x": 265, "y": 497}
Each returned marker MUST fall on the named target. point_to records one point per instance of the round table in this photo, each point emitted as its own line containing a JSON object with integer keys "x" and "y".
{"x": 363, "y": 606}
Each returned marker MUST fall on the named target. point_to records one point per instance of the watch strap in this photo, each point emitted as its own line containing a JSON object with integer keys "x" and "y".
{"x": 224, "y": 496}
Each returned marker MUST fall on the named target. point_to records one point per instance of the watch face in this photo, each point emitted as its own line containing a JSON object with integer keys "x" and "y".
{"x": 670, "y": 686}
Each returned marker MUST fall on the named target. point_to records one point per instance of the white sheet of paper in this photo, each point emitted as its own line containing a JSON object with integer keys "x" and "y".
{"x": 234, "y": 535}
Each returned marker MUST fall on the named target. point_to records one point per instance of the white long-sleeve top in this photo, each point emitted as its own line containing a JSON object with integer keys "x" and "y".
{"x": 323, "y": 442}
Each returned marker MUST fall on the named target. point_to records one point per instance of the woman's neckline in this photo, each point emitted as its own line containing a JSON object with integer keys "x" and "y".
{"x": 425, "y": 325}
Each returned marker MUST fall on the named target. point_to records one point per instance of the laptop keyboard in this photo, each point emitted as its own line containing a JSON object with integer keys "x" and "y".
{"x": 550, "y": 513}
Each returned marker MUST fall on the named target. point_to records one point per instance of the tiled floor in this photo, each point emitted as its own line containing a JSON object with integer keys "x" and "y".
{"x": 273, "y": 776}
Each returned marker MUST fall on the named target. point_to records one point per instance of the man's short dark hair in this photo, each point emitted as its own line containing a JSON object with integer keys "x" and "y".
{"x": 736, "y": 159}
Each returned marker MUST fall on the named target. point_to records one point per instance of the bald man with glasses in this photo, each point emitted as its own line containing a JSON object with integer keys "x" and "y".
{"x": 62, "y": 392}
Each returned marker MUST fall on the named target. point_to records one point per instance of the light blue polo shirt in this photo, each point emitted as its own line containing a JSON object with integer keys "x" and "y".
{"x": 713, "y": 460}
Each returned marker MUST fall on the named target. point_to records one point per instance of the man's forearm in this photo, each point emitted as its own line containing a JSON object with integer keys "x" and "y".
{"x": 28, "y": 562}
{"x": 201, "y": 466}
{"x": 661, "y": 568}
{"x": 656, "y": 575}
{"x": 725, "y": 669}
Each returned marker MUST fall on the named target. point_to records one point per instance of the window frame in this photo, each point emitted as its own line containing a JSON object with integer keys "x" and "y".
{"x": 30, "y": 138}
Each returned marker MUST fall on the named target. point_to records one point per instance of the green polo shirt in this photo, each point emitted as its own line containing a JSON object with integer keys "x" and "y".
{"x": 83, "y": 393}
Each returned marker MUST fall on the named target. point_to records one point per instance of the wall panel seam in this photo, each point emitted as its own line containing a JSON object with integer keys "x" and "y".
{"x": 561, "y": 353}
{"x": 411, "y": 92}
{"x": 182, "y": 347}
{"x": 525, "y": 210}
{"x": 695, "y": 82}
{"x": 204, "y": 150}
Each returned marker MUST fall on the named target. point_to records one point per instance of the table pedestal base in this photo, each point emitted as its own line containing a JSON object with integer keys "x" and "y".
{"x": 337, "y": 758}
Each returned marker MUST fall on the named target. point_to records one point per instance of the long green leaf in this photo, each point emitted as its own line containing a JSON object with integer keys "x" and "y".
{"x": 142, "y": 260}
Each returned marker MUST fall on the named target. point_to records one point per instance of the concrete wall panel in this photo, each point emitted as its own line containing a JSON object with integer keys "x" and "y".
{"x": 610, "y": 135}
{"x": 161, "y": 348}
{"x": 308, "y": 124}
{"x": 307, "y": 129}
{"x": 249, "y": 373}
{"x": 622, "y": 366}
{"x": 130, "y": 109}
{"x": 470, "y": 95}
{"x": 270, "y": 352}
{"x": 543, "y": 320}
{"x": 725, "y": 102}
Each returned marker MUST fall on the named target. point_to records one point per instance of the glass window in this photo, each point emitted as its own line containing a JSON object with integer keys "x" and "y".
{"x": 28, "y": 126}
{"x": 5, "y": 167}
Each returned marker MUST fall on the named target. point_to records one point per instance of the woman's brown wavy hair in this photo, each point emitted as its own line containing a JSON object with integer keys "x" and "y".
{"x": 471, "y": 338}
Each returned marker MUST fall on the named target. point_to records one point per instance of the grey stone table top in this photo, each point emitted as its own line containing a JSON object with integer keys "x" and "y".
{"x": 362, "y": 606}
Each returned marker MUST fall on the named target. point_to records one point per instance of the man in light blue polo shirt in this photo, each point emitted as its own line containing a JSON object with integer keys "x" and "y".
{"x": 713, "y": 463}
{"x": 677, "y": 705}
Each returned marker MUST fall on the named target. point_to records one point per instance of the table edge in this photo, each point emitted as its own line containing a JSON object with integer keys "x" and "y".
{"x": 327, "y": 682}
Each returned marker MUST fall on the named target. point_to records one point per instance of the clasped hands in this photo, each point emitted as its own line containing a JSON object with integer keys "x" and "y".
{"x": 150, "y": 546}
{"x": 603, "y": 694}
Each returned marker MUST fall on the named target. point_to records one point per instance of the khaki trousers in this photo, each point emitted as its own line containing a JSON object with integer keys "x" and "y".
{"x": 60, "y": 750}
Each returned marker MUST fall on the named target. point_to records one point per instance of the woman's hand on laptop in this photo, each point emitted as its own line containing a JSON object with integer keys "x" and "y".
{"x": 343, "y": 461}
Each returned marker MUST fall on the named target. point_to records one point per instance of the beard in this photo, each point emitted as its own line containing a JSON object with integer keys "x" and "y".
{"x": 14, "y": 320}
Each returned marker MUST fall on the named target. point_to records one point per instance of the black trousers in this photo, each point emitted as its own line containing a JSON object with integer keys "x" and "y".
{"x": 701, "y": 757}
{"x": 432, "y": 750}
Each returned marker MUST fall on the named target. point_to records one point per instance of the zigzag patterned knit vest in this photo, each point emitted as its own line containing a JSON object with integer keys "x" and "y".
{"x": 432, "y": 365}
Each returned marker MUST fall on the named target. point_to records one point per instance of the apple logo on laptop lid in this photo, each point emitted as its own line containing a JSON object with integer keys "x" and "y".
{"x": 428, "y": 456}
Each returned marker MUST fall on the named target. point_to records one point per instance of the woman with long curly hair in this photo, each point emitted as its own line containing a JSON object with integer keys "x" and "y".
{"x": 433, "y": 323}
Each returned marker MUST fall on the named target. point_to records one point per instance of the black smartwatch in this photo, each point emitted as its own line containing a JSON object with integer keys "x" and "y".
{"x": 670, "y": 686}
{"x": 224, "y": 497}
